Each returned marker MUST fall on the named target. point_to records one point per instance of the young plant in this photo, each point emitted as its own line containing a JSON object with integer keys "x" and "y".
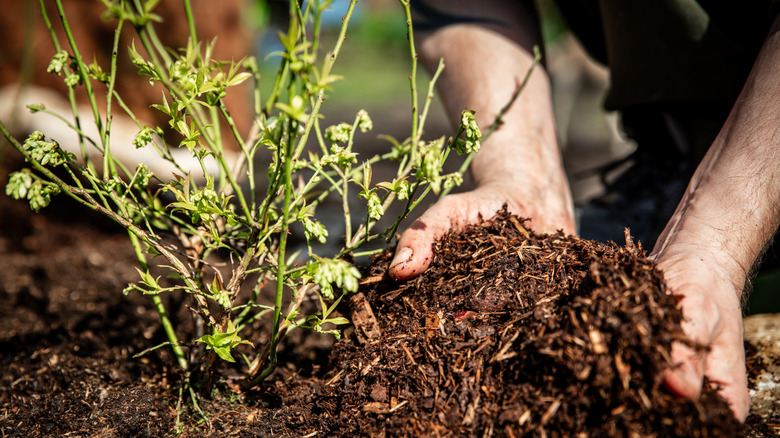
{"x": 223, "y": 212}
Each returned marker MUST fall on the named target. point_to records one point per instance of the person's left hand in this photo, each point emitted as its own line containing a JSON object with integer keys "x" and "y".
{"x": 713, "y": 318}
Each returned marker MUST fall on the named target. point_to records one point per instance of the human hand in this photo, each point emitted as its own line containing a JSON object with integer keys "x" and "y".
{"x": 414, "y": 251}
{"x": 723, "y": 223}
{"x": 713, "y": 318}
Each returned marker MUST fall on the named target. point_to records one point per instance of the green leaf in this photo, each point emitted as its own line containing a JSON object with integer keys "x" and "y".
{"x": 224, "y": 343}
{"x": 97, "y": 73}
{"x": 327, "y": 271}
{"x": 339, "y": 320}
{"x": 296, "y": 109}
{"x": 224, "y": 353}
{"x": 239, "y": 78}
{"x": 183, "y": 206}
{"x": 148, "y": 280}
{"x": 329, "y": 79}
{"x": 150, "y": 4}
{"x": 145, "y": 67}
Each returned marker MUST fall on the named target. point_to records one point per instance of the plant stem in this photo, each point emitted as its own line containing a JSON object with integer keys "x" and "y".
{"x": 147, "y": 34}
{"x": 170, "y": 333}
{"x": 276, "y": 91}
{"x": 331, "y": 59}
{"x": 71, "y": 92}
{"x": 147, "y": 31}
{"x": 87, "y": 84}
{"x": 110, "y": 93}
{"x": 249, "y": 155}
{"x": 83, "y": 197}
{"x": 345, "y": 206}
{"x": 191, "y": 21}
{"x": 429, "y": 97}
{"x": 218, "y": 147}
{"x": 280, "y": 273}
{"x": 499, "y": 120}
{"x": 72, "y": 126}
{"x": 317, "y": 27}
{"x": 411, "y": 203}
{"x": 413, "y": 74}
{"x": 368, "y": 253}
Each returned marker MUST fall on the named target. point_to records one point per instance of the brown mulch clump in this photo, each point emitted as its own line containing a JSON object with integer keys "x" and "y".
{"x": 510, "y": 333}
{"x": 70, "y": 339}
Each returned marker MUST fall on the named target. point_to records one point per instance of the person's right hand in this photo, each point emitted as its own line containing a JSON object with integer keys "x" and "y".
{"x": 414, "y": 252}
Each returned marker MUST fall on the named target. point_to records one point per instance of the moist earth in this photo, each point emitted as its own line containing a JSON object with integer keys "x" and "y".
{"x": 507, "y": 334}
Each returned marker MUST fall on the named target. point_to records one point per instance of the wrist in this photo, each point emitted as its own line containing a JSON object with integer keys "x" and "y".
{"x": 520, "y": 159}
{"x": 727, "y": 215}
{"x": 693, "y": 248}
{"x": 548, "y": 209}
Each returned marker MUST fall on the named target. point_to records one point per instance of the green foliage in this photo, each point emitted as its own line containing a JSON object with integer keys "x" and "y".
{"x": 46, "y": 152}
{"x": 144, "y": 136}
{"x": 314, "y": 229}
{"x": 223, "y": 343}
{"x": 26, "y": 185}
{"x": 224, "y": 209}
{"x": 326, "y": 272}
{"x": 470, "y": 141}
{"x": 203, "y": 204}
{"x": 316, "y": 322}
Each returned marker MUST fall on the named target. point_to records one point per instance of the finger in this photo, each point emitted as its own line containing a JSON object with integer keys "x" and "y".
{"x": 686, "y": 376}
{"x": 726, "y": 369}
{"x": 414, "y": 251}
{"x": 724, "y": 366}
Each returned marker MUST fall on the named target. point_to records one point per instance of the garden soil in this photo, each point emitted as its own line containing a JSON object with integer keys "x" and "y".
{"x": 507, "y": 334}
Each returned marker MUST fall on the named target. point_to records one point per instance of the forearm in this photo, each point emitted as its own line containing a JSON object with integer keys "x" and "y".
{"x": 484, "y": 64}
{"x": 733, "y": 201}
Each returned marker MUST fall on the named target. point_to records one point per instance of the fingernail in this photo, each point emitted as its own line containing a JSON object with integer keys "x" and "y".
{"x": 403, "y": 255}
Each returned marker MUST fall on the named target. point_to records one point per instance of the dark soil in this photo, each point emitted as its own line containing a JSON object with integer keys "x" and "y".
{"x": 508, "y": 334}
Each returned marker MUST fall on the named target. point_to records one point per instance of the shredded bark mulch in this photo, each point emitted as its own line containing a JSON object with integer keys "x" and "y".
{"x": 513, "y": 334}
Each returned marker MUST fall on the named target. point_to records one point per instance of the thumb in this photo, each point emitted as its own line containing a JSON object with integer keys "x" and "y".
{"x": 414, "y": 252}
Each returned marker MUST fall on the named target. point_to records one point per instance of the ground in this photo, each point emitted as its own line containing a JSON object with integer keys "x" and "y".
{"x": 435, "y": 356}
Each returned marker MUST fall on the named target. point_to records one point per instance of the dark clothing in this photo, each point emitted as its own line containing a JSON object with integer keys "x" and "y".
{"x": 676, "y": 69}
{"x": 657, "y": 51}
{"x": 671, "y": 51}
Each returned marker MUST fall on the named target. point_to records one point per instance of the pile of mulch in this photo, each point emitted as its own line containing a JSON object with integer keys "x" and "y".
{"x": 484, "y": 339}
{"x": 514, "y": 334}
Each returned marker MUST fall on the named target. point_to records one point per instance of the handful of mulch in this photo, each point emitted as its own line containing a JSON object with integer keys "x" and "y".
{"x": 514, "y": 334}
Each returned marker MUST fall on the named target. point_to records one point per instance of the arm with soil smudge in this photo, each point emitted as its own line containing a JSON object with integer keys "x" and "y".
{"x": 488, "y": 53}
{"x": 726, "y": 218}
